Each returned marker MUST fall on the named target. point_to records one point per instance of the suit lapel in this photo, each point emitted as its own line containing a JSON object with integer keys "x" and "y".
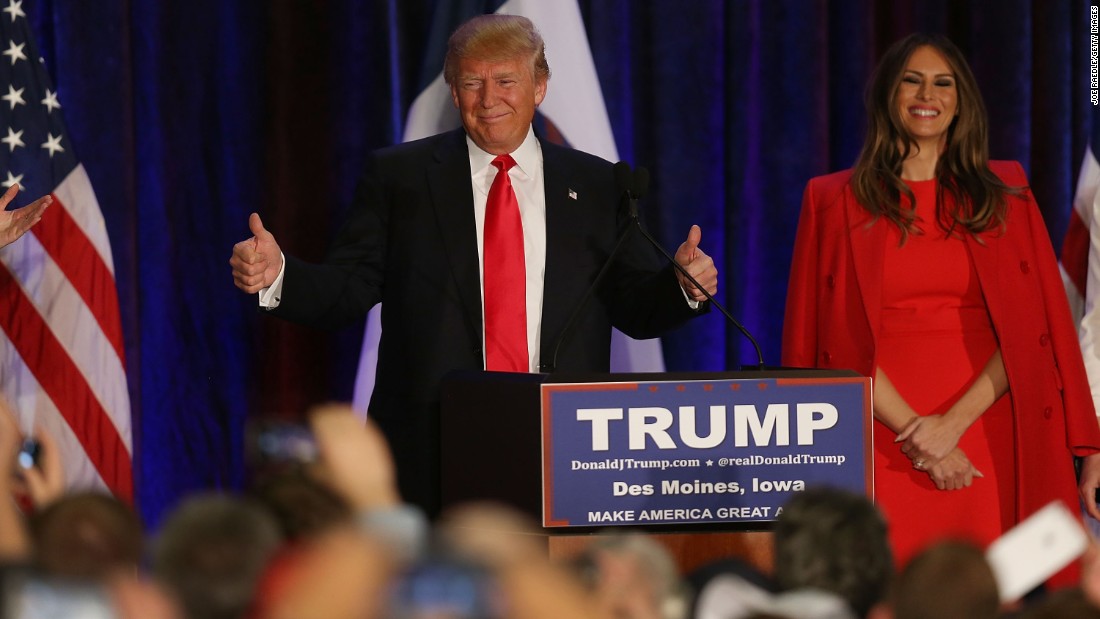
{"x": 868, "y": 243}
{"x": 453, "y": 200}
{"x": 985, "y": 255}
{"x": 559, "y": 254}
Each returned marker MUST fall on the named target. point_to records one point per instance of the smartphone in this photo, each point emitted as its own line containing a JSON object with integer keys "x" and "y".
{"x": 1035, "y": 550}
{"x": 446, "y": 588}
{"x": 28, "y": 595}
{"x": 280, "y": 442}
{"x": 28, "y": 454}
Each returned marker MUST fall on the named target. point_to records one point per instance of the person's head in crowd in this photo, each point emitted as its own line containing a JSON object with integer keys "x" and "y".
{"x": 497, "y": 71}
{"x": 86, "y": 535}
{"x": 833, "y": 540}
{"x": 1064, "y": 604}
{"x": 335, "y": 573}
{"x": 509, "y": 544}
{"x": 948, "y": 580}
{"x": 804, "y": 604}
{"x": 633, "y": 577}
{"x": 724, "y": 581}
{"x": 732, "y": 597}
{"x": 730, "y": 594}
{"x": 300, "y": 503}
{"x": 210, "y": 553}
{"x": 134, "y": 596}
{"x": 957, "y": 131}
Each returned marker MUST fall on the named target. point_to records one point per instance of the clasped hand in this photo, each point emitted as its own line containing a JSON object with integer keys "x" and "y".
{"x": 954, "y": 471}
{"x": 929, "y": 438}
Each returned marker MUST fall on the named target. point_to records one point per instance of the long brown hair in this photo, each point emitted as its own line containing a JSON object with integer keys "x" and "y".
{"x": 963, "y": 168}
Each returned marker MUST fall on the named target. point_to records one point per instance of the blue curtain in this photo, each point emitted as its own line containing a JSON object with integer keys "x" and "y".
{"x": 190, "y": 115}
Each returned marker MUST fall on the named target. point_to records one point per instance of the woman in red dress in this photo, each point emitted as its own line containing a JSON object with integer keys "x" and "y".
{"x": 928, "y": 268}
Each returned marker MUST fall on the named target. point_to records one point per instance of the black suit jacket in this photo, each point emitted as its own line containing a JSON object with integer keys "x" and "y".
{"x": 411, "y": 241}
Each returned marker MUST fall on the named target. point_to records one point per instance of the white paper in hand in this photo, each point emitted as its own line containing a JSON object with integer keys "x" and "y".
{"x": 1035, "y": 550}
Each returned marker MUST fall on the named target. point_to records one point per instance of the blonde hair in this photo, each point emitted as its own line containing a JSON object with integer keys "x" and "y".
{"x": 496, "y": 38}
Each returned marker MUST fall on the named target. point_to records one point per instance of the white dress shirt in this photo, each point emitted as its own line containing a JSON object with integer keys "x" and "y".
{"x": 526, "y": 177}
{"x": 527, "y": 181}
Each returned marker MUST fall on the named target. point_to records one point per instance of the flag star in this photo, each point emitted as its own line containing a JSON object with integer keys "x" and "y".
{"x": 15, "y": 138}
{"x": 15, "y": 51}
{"x": 13, "y": 180}
{"x": 51, "y": 101}
{"x": 53, "y": 144}
{"x": 14, "y": 97}
{"x": 15, "y": 9}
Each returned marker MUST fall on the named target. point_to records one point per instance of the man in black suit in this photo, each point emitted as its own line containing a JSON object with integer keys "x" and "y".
{"x": 414, "y": 239}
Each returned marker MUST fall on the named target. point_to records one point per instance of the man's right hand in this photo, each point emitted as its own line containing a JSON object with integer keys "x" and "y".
{"x": 256, "y": 261}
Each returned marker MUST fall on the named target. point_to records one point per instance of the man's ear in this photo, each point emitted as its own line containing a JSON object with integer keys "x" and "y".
{"x": 540, "y": 90}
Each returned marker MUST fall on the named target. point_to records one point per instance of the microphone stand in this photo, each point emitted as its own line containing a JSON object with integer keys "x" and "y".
{"x": 633, "y": 186}
{"x": 567, "y": 329}
{"x": 640, "y": 184}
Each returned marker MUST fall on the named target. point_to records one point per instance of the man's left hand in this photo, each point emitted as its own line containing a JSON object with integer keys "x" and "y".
{"x": 698, "y": 264}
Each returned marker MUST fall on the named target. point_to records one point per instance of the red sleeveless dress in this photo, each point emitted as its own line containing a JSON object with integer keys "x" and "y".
{"x": 936, "y": 337}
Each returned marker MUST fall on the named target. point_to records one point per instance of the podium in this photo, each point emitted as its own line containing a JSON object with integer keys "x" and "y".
{"x": 496, "y": 445}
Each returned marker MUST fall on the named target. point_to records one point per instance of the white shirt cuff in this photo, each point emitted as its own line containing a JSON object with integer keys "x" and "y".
{"x": 691, "y": 303}
{"x": 272, "y": 295}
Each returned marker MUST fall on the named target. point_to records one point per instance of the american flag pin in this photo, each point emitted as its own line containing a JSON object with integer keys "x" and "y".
{"x": 572, "y": 195}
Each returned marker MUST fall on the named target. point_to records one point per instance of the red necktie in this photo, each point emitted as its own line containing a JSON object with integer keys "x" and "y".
{"x": 505, "y": 276}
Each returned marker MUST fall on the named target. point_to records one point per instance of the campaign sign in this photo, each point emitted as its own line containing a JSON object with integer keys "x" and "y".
{"x": 697, "y": 452}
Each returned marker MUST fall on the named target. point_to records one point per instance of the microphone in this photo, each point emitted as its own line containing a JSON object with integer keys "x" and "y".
{"x": 625, "y": 181}
{"x": 639, "y": 187}
{"x": 623, "y": 177}
{"x": 641, "y": 183}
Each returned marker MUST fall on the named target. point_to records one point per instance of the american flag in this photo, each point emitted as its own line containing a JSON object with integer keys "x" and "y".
{"x": 62, "y": 362}
{"x": 1080, "y": 257}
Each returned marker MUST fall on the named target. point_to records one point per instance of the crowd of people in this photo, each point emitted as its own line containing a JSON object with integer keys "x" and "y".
{"x": 332, "y": 538}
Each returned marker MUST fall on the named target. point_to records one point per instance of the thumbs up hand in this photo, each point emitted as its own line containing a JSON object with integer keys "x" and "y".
{"x": 698, "y": 264}
{"x": 256, "y": 261}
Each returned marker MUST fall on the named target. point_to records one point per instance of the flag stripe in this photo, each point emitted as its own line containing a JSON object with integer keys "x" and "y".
{"x": 72, "y": 323}
{"x": 34, "y": 408}
{"x": 81, "y": 263}
{"x": 65, "y": 385}
{"x": 76, "y": 194}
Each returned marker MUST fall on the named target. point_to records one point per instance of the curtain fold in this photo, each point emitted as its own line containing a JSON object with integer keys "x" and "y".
{"x": 190, "y": 115}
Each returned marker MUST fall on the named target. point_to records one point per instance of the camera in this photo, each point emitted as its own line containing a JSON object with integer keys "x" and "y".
{"x": 27, "y": 594}
{"x": 446, "y": 587}
{"x": 280, "y": 442}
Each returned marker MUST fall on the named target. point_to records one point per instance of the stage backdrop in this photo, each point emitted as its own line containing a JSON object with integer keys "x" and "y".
{"x": 189, "y": 115}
